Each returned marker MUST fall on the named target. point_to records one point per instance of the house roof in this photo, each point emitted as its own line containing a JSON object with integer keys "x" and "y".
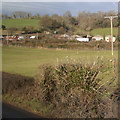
{"x": 98, "y": 36}
{"x": 76, "y": 36}
{"x": 108, "y": 36}
{"x": 64, "y": 35}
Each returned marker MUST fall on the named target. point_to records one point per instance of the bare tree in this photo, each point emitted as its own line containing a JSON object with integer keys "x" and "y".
{"x": 67, "y": 14}
{"x": 21, "y": 14}
{"x": 12, "y": 30}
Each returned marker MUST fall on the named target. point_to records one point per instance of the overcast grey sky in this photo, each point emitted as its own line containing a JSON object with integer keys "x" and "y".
{"x": 58, "y": 7}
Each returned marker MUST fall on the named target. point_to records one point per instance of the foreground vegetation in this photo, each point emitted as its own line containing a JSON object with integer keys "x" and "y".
{"x": 67, "y": 83}
{"x": 68, "y": 90}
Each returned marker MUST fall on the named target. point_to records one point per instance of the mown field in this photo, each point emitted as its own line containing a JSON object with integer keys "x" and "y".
{"x": 25, "y": 61}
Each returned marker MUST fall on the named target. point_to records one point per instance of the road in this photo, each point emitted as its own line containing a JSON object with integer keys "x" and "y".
{"x": 9, "y": 111}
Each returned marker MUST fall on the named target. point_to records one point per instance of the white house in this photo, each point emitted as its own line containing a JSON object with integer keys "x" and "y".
{"x": 32, "y": 37}
{"x": 108, "y": 38}
{"x": 20, "y": 37}
{"x": 83, "y": 39}
{"x": 97, "y": 38}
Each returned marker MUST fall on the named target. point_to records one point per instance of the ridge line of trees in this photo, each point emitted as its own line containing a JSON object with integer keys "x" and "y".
{"x": 85, "y": 21}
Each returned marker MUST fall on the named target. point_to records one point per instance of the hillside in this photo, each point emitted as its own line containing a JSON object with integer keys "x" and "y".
{"x": 104, "y": 31}
{"x": 20, "y": 22}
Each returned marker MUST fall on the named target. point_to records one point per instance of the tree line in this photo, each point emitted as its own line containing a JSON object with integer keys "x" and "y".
{"x": 84, "y": 21}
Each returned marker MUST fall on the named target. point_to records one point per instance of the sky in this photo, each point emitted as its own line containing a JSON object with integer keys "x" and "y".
{"x": 58, "y": 7}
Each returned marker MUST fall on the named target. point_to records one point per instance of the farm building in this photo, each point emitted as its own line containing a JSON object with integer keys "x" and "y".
{"x": 10, "y": 38}
{"x": 76, "y": 36}
{"x": 64, "y": 36}
{"x": 97, "y": 38}
{"x": 108, "y": 38}
{"x": 32, "y": 37}
{"x": 83, "y": 39}
{"x": 20, "y": 37}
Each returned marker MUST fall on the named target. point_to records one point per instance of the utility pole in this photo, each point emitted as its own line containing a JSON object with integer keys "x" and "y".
{"x": 7, "y": 38}
{"x": 111, "y": 19}
{"x": 37, "y": 39}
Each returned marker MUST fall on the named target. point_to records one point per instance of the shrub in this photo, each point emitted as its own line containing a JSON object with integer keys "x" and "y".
{"x": 72, "y": 90}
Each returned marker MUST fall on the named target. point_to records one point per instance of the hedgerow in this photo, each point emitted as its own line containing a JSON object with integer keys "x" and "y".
{"x": 74, "y": 90}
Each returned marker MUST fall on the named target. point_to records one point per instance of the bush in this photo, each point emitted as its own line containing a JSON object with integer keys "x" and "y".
{"x": 67, "y": 77}
{"x": 3, "y": 27}
{"x": 72, "y": 90}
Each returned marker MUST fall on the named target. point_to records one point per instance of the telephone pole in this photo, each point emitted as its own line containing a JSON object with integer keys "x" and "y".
{"x": 37, "y": 39}
{"x": 7, "y": 38}
{"x": 111, "y": 19}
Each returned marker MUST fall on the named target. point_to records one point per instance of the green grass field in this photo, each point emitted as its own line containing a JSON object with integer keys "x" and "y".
{"x": 104, "y": 31}
{"x": 25, "y": 61}
{"x": 20, "y": 22}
